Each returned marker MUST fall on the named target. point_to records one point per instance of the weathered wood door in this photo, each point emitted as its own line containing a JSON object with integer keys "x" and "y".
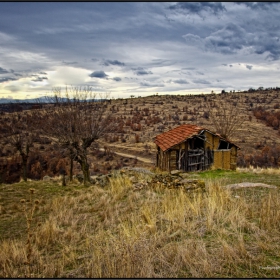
{"x": 197, "y": 159}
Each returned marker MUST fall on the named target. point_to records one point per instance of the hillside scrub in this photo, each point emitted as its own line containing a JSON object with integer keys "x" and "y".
{"x": 138, "y": 121}
{"x": 119, "y": 231}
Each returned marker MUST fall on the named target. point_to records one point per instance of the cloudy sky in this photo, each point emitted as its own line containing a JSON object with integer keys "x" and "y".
{"x": 138, "y": 48}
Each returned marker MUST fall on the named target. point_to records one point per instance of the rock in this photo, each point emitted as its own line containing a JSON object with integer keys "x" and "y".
{"x": 184, "y": 175}
{"x": 250, "y": 185}
{"x": 80, "y": 178}
{"x": 189, "y": 181}
{"x": 94, "y": 177}
{"x": 102, "y": 180}
{"x": 47, "y": 178}
{"x": 175, "y": 172}
{"x": 170, "y": 181}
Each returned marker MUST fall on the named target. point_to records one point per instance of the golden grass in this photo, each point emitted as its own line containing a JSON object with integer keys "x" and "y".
{"x": 118, "y": 231}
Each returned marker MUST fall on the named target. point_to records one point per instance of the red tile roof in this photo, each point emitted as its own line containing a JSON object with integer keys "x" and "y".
{"x": 176, "y": 135}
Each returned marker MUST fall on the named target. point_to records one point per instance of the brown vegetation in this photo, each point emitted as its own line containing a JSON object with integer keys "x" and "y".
{"x": 141, "y": 119}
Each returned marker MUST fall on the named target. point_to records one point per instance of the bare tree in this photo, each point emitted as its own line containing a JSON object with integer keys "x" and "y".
{"x": 17, "y": 129}
{"x": 78, "y": 118}
{"x": 225, "y": 115}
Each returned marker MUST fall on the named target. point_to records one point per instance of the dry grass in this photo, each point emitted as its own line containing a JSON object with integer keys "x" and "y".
{"x": 117, "y": 231}
{"x": 260, "y": 170}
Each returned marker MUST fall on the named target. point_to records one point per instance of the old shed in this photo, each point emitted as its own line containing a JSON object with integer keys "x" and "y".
{"x": 190, "y": 148}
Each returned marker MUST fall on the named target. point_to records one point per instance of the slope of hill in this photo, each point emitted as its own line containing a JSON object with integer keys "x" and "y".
{"x": 145, "y": 117}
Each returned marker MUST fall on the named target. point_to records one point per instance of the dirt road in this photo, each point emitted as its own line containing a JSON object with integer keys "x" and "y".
{"x": 146, "y": 160}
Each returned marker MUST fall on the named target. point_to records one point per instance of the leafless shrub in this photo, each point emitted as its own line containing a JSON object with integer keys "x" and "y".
{"x": 225, "y": 116}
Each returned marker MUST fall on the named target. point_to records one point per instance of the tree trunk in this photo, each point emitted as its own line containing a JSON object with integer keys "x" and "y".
{"x": 85, "y": 169}
{"x": 63, "y": 180}
{"x": 24, "y": 167}
{"x": 71, "y": 170}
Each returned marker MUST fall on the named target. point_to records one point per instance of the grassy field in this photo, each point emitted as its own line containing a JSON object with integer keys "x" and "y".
{"x": 47, "y": 230}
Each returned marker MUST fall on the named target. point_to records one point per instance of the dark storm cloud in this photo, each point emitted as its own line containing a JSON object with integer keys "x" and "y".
{"x": 56, "y": 37}
{"x": 233, "y": 38}
{"x": 113, "y": 62}
{"x": 147, "y": 84}
{"x": 3, "y": 71}
{"x": 160, "y": 63}
{"x": 249, "y": 66}
{"x": 227, "y": 40}
{"x": 258, "y": 5}
{"x": 199, "y": 73}
{"x": 117, "y": 79}
{"x": 141, "y": 71}
{"x": 200, "y": 81}
{"x": 2, "y": 80}
{"x": 69, "y": 63}
{"x": 199, "y": 7}
{"x": 180, "y": 81}
{"x": 98, "y": 74}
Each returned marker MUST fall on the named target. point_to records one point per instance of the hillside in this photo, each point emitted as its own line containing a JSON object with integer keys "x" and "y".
{"x": 142, "y": 119}
{"x": 165, "y": 112}
{"x": 120, "y": 230}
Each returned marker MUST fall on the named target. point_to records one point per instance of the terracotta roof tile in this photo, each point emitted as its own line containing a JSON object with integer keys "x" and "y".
{"x": 177, "y": 135}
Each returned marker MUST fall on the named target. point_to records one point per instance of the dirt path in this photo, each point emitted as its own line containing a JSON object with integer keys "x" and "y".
{"x": 146, "y": 160}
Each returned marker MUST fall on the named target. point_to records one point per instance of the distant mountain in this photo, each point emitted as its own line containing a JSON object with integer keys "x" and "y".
{"x": 31, "y": 100}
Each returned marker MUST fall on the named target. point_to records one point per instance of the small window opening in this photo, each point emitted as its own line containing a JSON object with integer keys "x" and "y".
{"x": 223, "y": 145}
{"x": 197, "y": 143}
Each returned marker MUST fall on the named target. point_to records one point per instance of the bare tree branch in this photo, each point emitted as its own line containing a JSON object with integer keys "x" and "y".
{"x": 76, "y": 119}
{"x": 225, "y": 116}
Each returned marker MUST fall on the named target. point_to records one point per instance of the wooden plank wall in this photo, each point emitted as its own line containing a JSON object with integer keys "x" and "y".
{"x": 221, "y": 159}
{"x": 224, "y": 159}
